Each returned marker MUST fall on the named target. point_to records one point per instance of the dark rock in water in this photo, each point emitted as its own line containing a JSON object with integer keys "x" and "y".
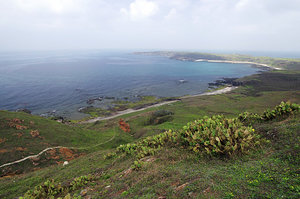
{"x": 106, "y": 97}
{"x": 91, "y": 101}
{"x": 232, "y": 81}
{"x": 25, "y": 110}
{"x": 225, "y": 81}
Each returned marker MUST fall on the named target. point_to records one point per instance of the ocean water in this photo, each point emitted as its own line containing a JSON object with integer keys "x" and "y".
{"x": 63, "y": 81}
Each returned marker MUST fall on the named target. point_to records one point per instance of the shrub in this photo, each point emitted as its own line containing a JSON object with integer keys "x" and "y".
{"x": 248, "y": 118}
{"x": 137, "y": 165}
{"x": 80, "y": 181}
{"x": 283, "y": 109}
{"x": 140, "y": 132}
{"x": 48, "y": 189}
{"x": 159, "y": 117}
{"x": 215, "y": 136}
{"x": 51, "y": 189}
{"x": 148, "y": 146}
{"x": 219, "y": 135}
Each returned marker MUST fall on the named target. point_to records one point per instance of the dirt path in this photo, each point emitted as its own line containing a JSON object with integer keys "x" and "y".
{"x": 56, "y": 147}
{"x": 31, "y": 156}
{"x": 216, "y": 92}
{"x": 127, "y": 111}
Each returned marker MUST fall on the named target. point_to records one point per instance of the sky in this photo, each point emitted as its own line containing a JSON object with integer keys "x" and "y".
{"x": 253, "y": 25}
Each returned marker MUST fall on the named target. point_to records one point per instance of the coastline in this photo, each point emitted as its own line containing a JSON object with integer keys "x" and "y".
{"x": 127, "y": 111}
{"x": 216, "y": 92}
{"x": 237, "y": 62}
{"x": 223, "y": 58}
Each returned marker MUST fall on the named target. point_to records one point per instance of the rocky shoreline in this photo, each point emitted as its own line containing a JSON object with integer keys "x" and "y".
{"x": 147, "y": 106}
{"x": 225, "y": 82}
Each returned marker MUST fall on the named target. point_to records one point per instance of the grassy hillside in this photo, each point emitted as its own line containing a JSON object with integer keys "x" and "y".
{"x": 22, "y": 134}
{"x": 270, "y": 171}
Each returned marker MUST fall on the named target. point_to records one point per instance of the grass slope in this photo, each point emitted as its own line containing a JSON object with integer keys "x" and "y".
{"x": 268, "y": 172}
{"x": 23, "y": 134}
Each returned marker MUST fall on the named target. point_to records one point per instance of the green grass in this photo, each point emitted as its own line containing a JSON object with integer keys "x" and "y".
{"x": 51, "y": 134}
{"x": 265, "y": 173}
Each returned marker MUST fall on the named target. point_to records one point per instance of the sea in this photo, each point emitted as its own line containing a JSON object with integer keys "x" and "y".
{"x": 61, "y": 82}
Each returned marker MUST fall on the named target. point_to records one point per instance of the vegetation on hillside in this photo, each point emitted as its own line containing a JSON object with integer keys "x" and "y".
{"x": 22, "y": 135}
{"x": 214, "y": 136}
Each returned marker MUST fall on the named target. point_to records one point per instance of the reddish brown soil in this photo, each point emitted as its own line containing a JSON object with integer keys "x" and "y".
{"x": 124, "y": 126}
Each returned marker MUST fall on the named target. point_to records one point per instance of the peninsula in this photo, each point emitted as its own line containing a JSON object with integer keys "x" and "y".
{"x": 267, "y": 62}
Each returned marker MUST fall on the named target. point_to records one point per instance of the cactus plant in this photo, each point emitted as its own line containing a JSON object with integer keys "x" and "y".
{"x": 219, "y": 135}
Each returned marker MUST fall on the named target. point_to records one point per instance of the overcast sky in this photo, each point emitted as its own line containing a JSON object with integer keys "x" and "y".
{"x": 262, "y": 25}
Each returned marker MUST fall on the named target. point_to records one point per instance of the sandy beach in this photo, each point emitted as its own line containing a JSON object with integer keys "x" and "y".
{"x": 237, "y": 62}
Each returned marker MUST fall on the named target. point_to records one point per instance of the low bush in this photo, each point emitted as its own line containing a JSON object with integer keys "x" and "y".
{"x": 283, "y": 109}
{"x": 219, "y": 135}
{"x": 51, "y": 189}
{"x": 48, "y": 189}
{"x": 159, "y": 117}
{"x": 215, "y": 135}
{"x": 248, "y": 118}
{"x": 149, "y": 145}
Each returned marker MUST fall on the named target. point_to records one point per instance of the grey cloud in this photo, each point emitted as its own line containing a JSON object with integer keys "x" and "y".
{"x": 153, "y": 24}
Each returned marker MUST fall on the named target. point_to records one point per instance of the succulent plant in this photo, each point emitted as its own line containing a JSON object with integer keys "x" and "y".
{"x": 214, "y": 135}
{"x": 219, "y": 135}
{"x": 283, "y": 109}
